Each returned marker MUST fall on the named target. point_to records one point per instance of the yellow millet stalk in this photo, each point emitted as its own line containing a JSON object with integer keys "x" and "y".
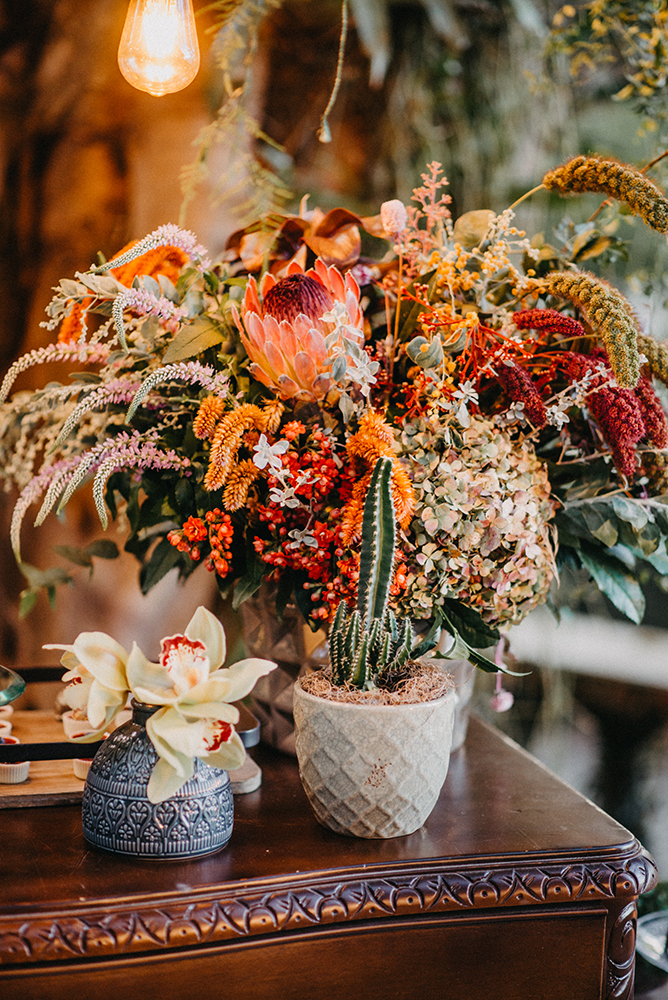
{"x": 617, "y": 180}
{"x": 657, "y": 356}
{"x": 609, "y": 315}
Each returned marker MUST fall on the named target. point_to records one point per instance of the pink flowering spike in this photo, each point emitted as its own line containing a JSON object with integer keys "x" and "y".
{"x": 251, "y": 299}
{"x": 294, "y": 267}
{"x": 336, "y": 283}
{"x": 288, "y": 386}
{"x": 288, "y": 339}
{"x": 267, "y": 283}
{"x": 305, "y": 369}
{"x": 314, "y": 344}
{"x": 321, "y": 386}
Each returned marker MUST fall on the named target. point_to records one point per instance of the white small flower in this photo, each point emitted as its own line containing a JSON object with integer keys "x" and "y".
{"x": 269, "y": 454}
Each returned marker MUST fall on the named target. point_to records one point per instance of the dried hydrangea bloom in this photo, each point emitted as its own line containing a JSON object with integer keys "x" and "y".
{"x": 481, "y": 527}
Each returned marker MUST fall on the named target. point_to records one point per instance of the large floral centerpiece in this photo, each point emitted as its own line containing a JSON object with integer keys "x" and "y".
{"x": 231, "y": 413}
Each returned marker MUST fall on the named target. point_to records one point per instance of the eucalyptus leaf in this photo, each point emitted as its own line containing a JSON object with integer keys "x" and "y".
{"x": 192, "y": 339}
{"x": 27, "y": 601}
{"x": 424, "y": 353}
{"x": 164, "y": 558}
{"x": 44, "y": 577}
{"x": 599, "y": 523}
{"x": 629, "y": 511}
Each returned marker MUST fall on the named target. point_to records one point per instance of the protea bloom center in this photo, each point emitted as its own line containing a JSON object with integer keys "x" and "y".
{"x": 284, "y": 326}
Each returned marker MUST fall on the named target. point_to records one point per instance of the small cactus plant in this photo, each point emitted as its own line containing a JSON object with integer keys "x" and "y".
{"x": 369, "y": 647}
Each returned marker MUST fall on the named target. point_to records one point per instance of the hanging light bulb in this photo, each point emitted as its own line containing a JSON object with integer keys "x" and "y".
{"x": 159, "y": 51}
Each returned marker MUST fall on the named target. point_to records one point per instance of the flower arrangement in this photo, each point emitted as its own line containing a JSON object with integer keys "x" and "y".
{"x": 189, "y": 683}
{"x": 232, "y": 413}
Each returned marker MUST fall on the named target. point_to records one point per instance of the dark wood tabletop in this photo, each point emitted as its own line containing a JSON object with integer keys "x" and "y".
{"x": 512, "y": 870}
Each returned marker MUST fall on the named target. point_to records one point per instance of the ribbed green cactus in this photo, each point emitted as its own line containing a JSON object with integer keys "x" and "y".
{"x": 369, "y": 643}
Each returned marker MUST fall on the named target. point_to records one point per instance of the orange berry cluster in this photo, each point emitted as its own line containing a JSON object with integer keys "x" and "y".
{"x": 217, "y": 529}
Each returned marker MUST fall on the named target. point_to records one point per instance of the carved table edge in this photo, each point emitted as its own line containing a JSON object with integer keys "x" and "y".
{"x": 107, "y": 928}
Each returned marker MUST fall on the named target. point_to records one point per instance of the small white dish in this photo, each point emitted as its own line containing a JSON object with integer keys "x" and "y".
{"x": 5, "y": 727}
{"x": 6, "y": 711}
{"x": 73, "y": 726}
{"x": 13, "y": 774}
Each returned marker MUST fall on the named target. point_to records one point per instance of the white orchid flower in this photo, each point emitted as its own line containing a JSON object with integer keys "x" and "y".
{"x": 194, "y": 691}
{"x": 98, "y": 683}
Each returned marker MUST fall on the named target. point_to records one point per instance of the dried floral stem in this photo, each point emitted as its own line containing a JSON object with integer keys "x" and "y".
{"x": 539, "y": 187}
{"x": 325, "y": 135}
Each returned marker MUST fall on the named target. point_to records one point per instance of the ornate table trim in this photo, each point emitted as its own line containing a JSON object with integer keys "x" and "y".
{"x": 133, "y": 925}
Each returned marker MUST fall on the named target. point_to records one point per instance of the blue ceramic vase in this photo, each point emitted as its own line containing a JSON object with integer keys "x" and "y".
{"x": 117, "y": 815}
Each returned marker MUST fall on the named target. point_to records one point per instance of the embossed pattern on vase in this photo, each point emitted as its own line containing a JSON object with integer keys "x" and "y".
{"x": 118, "y": 816}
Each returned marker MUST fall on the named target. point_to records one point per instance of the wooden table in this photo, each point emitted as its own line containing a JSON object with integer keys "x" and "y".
{"x": 517, "y": 888}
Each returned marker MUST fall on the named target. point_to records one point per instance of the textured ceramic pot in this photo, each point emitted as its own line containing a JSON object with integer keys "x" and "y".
{"x": 372, "y": 771}
{"x": 117, "y": 815}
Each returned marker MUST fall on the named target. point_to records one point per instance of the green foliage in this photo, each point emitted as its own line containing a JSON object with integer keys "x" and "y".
{"x": 633, "y": 35}
{"x": 254, "y": 189}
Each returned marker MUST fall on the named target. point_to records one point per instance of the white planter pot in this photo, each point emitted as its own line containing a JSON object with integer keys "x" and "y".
{"x": 372, "y": 771}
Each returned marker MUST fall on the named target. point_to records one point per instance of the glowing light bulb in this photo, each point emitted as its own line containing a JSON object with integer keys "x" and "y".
{"x": 159, "y": 52}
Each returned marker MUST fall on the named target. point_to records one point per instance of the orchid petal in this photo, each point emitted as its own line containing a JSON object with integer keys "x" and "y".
{"x": 160, "y": 727}
{"x": 243, "y": 675}
{"x": 76, "y": 694}
{"x": 205, "y": 626}
{"x": 165, "y": 780}
{"x": 104, "y": 704}
{"x": 229, "y": 756}
{"x": 103, "y": 657}
{"x": 149, "y": 682}
{"x": 222, "y": 712}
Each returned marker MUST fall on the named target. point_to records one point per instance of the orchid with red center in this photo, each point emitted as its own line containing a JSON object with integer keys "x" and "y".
{"x": 194, "y": 692}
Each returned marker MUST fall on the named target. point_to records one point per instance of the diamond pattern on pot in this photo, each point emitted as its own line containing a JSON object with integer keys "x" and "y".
{"x": 372, "y": 771}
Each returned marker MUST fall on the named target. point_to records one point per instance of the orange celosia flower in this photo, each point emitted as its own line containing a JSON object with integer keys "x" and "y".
{"x": 283, "y": 329}
{"x": 374, "y": 440}
{"x": 166, "y": 260}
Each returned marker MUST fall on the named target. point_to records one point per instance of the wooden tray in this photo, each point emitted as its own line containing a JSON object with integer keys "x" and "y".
{"x": 53, "y": 782}
{"x": 50, "y": 782}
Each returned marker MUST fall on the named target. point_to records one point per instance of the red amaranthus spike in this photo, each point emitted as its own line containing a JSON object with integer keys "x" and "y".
{"x": 548, "y": 319}
{"x": 652, "y": 413}
{"x": 616, "y": 410}
{"x": 518, "y": 385}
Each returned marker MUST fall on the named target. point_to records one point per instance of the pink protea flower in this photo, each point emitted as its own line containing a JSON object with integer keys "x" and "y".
{"x": 284, "y": 326}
